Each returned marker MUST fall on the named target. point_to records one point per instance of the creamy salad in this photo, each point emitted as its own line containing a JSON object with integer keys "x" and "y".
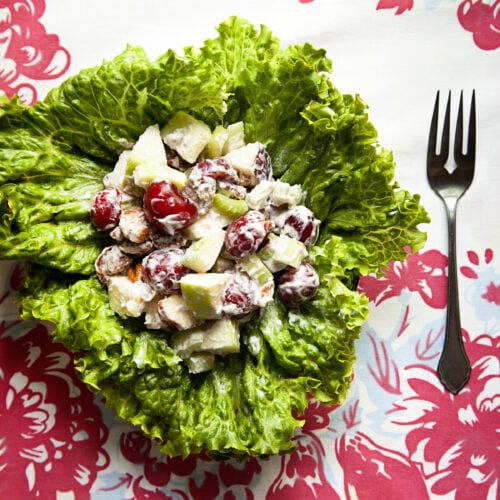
{"x": 203, "y": 236}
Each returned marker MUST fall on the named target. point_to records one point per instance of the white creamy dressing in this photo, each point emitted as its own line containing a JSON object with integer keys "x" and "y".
{"x": 172, "y": 223}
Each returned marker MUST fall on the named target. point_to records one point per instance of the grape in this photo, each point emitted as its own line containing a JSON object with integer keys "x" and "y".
{"x": 301, "y": 224}
{"x": 110, "y": 262}
{"x": 167, "y": 209}
{"x": 105, "y": 210}
{"x": 218, "y": 169}
{"x": 296, "y": 286}
{"x": 262, "y": 166}
{"x": 163, "y": 269}
{"x": 245, "y": 235}
{"x": 237, "y": 299}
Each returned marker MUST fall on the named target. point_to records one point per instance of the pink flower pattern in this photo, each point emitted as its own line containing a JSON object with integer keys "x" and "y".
{"x": 457, "y": 436}
{"x": 441, "y": 444}
{"x": 480, "y": 17}
{"x": 55, "y": 447}
{"x": 27, "y": 51}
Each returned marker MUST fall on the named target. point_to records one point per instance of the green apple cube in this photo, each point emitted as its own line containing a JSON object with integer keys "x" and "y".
{"x": 222, "y": 337}
{"x": 235, "y": 137}
{"x": 200, "y": 362}
{"x": 258, "y": 196}
{"x": 203, "y": 253}
{"x": 118, "y": 176}
{"x": 148, "y": 149}
{"x": 243, "y": 159}
{"x": 187, "y": 342}
{"x": 213, "y": 219}
{"x": 256, "y": 269}
{"x": 215, "y": 145}
{"x": 281, "y": 252}
{"x": 203, "y": 293}
{"x": 229, "y": 207}
{"x": 128, "y": 298}
{"x": 286, "y": 194}
{"x": 175, "y": 312}
{"x": 146, "y": 173}
{"x": 186, "y": 135}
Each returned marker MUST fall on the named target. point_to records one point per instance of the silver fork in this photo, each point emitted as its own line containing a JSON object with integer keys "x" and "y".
{"x": 454, "y": 366}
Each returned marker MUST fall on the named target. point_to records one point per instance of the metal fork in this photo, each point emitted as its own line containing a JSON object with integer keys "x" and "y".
{"x": 454, "y": 366}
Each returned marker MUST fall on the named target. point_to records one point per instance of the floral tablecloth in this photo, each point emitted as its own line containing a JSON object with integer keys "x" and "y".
{"x": 399, "y": 434}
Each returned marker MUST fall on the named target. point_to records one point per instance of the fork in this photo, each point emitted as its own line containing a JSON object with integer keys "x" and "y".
{"x": 454, "y": 366}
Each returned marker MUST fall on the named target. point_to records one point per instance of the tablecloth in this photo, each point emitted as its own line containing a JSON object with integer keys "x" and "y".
{"x": 399, "y": 434}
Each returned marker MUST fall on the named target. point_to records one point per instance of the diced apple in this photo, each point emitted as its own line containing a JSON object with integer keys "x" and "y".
{"x": 211, "y": 221}
{"x": 117, "y": 177}
{"x": 149, "y": 149}
{"x": 258, "y": 197}
{"x": 203, "y": 253}
{"x": 235, "y": 137}
{"x": 286, "y": 194}
{"x": 256, "y": 269}
{"x": 252, "y": 161}
{"x": 174, "y": 311}
{"x": 222, "y": 337}
{"x": 281, "y": 252}
{"x": 200, "y": 362}
{"x": 146, "y": 173}
{"x": 186, "y": 135}
{"x": 187, "y": 342}
{"x": 203, "y": 293}
{"x": 128, "y": 298}
{"x": 152, "y": 318}
{"x": 215, "y": 145}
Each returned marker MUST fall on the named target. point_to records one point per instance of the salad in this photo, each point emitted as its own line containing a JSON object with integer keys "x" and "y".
{"x": 202, "y": 232}
{"x": 79, "y": 191}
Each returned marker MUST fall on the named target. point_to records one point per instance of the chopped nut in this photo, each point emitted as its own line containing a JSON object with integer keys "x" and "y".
{"x": 134, "y": 273}
{"x": 133, "y": 225}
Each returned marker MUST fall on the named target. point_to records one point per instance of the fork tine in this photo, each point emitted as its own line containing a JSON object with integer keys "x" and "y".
{"x": 432, "y": 156}
{"x": 471, "y": 137}
{"x": 431, "y": 148}
{"x": 445, "y": 139}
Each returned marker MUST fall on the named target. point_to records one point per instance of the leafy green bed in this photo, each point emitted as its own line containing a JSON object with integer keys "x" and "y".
{"x": 53, "y": 157}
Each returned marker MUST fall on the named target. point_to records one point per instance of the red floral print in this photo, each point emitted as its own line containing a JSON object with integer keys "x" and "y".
{"x": 366, "y": 463}
{"x": 424, "y": 273}
{"x": 400, "y": 5}
{"x": 27, "y": 51}
{"x": 480, "y": 17}
{"x": 46, "y": 447}
{"x": 455, "y": 437}
{"x": 485, "y": 287}
{"x": 483, "y": 21}
{"x": 492, "y": 292}
{"x": 204, "y": 478}
{"x": 302, "y": 473}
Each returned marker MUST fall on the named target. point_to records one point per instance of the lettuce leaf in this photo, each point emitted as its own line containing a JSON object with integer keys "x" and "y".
{"x": 53, "y": 157}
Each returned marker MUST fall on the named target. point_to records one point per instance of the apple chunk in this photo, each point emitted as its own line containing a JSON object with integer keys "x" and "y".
{"x": 203, "y": 293}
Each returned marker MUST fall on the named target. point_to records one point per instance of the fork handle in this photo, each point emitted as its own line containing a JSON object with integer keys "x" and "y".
{"x": 454, "y": 366}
